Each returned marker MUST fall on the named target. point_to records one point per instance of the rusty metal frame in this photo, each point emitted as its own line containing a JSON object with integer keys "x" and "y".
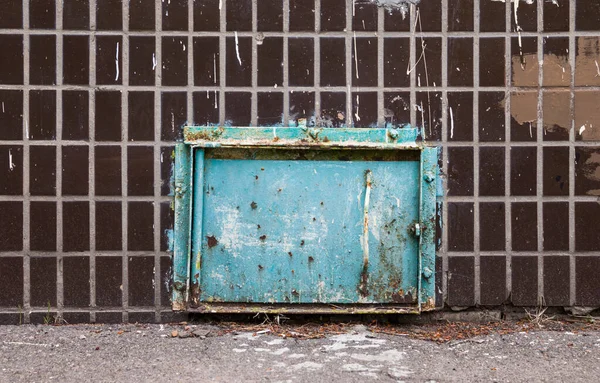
{"x": 199, "y": 138}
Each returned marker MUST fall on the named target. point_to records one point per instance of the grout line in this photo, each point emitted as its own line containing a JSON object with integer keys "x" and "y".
{"x": 348, "y": 43}
{"x": 222, "y": 60}
{"x": 317, "y": 61}
{"x": 286, "y": 64}
{"x": 58, "y": 177}
{"x": 572, "y": 228}
{"x": 444, "y": 85}
{"x": 380, "y": 64}
{"x": 254, "y": 68}
{"x": 92, "y": 157}
{"x": 413, "y": 49}
{"x": 476, "y": 159}
{"x": 507, "y": 152}
{"x": 26, "y": 192}
{"x": 125, "y": 168}
{"x": 540, "y": 154}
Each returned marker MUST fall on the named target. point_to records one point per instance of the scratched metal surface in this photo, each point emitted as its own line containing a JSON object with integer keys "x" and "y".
{"x": 291, "y": 231}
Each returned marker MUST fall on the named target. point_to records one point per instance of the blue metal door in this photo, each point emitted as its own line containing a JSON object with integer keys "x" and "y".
{"x": 304, "y": 218}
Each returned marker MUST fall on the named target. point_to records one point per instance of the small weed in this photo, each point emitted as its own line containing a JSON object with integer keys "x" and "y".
{"x": 538, "y": 317}
{"x": 48, "y": 319}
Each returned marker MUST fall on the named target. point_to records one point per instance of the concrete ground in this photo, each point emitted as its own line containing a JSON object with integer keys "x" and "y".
{"x": 298, "y": 353}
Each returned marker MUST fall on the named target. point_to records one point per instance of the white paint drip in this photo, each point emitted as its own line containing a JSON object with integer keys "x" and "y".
{"x": 451, "y": 123}
{"x": 530, "y": 130}
{"x": 237, "y": 48}
{"x": 117, "y": 63}
{"x": 3, "y": 111}
{"x": 216, "y": 106}
{"x": 153, "y": 61}
{"x": 26, "y": 129}
{"x": 215, "y": 68}
{"x": 597, "y": 68}
{"x": 355, "y": 55}
{"x": 581, "y": 130}
{"x": 357, "y": 105}
{"x": 220, "y": 4}
{"x": 11, "y": 164}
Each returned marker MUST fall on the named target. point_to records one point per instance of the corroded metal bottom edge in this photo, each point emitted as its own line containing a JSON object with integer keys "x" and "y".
{"x": 239, "y": 308}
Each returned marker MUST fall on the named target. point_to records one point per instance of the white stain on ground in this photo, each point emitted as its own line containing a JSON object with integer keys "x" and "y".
{"x": 385, "y": 356}
{"x": 307, "y": 365}
{"x": 344, "y": 341}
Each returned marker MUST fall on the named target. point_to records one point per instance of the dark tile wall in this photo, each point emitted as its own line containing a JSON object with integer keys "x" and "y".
{"x": 93, "y": 95}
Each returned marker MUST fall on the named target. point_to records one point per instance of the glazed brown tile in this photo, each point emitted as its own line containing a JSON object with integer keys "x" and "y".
{"x": 142, "y": 60}
{"x": 11, "y": 282}
{"x": 42, "y": 14}
{"x": 491, "y": 61}
{"x": 76, "y": 60}
{"x": 396, "y": 21}
{"x": 461, "y": 281}
{"x": 175, "y": 15}
{"x": 460, "y": 116}
{"x": 141, "y": 281}
{"x": 206, "y": 108}
{"x": 239, "y": 15}
{"x": 587, "y": 285}
{"x": 556, "y": 227}
{"x": 165, "y": 281}
{"x": 587, "y": 115}
{"x": 43, "y": 286}
{"x": 76, "y": 15}
{"x": 395, "y": 62}
{"x": 76, "y": 281}
{"x": 142, "y": 317}
{"x": 587, "y": 14}
{"x": 587, "y": 55}
{"x": 140, "y": 171}
{"x": 460, "y": 171}
{"x": 42, "y": 60}
{"x": 206, "y": 61}
{"x": 492, "y": 280}
{"x": 206, "y": 15}
{"x": 557, "y": 116}
{"x": 587, "y": 166}
{"x": 491, "y": 226}
{"x": 524, "y": 281}
{"x": 333, "y": 15}
{"x": 364, "y": 109}
{"x": 75, "y": 173}
{"x": 109, "y": 317}
{"x": 11, "y": 60}
{"x": 109, "y": 277}
{"x": 270, "y": 109}
{"x": 109, "y": 60}
{"x": 174, "y": 61}
{"x": 523, "y": 171}
{"x": 491, "y": 116}
{"x": 269, "y": 15}
{"x": 270, "y": 62}
{"x": 397, "y": 107}
{"x": 333, "y": 62}
{"x": 586, "y": 233}
{"x": 141, "y": 15}
{"x": 524, "y": 62}
{"x": 108, "y": 115}
{"x": 42, "y": 115}
{"x": 11, "y": 170}
{"x": 108, "y": 227}
{"x": 460, "y": 61}
{"x": 166, "y": 170}
{"x": 42, "y": 170}
{"x": 11, "y": 226}
{"x": 460, "y": 15}
{"x": 364, "y": 16}
{"x": 557, "y": 278}
{"x": 108, "y": 170}
{"x": 141, "y": 116}
{"x": 140, "y": 232}
{"x": 76, "y": 317}
{"x": 429, "y": 115}
{"x": 301, "y": 61}
{"x": 556, "y": 16}
{"x": 167, "y": 216}
{"x": 333, "y": 109}
{"x": 523, "y": 116}
{"x": 302, "y": 15}
{"x": 430, "y": 16}
{"x": 557, "y": 67}
{"x": 109, "y": 15}
{"x": 302, "y": 105}
{"x": 75, "y": 115}
{"x": 42, "y": 226}
{"x": 238, "y": 72}
{"x": 12, "y": 14}
{"x": 428, "y": 71}
{"x": 492, "y": 16}
{"x": 491, "y": 171}
{"x": 364, "y": 61}
{"x": 173, "y": 115}
{"x": 556, "y": 170}
{"x": 76, "y": 226}
{"x": 524, "y": 226}
{"x": 11, "y": 114}
{"x": 460, "y": 226}
{"x": 238, "y": 108}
